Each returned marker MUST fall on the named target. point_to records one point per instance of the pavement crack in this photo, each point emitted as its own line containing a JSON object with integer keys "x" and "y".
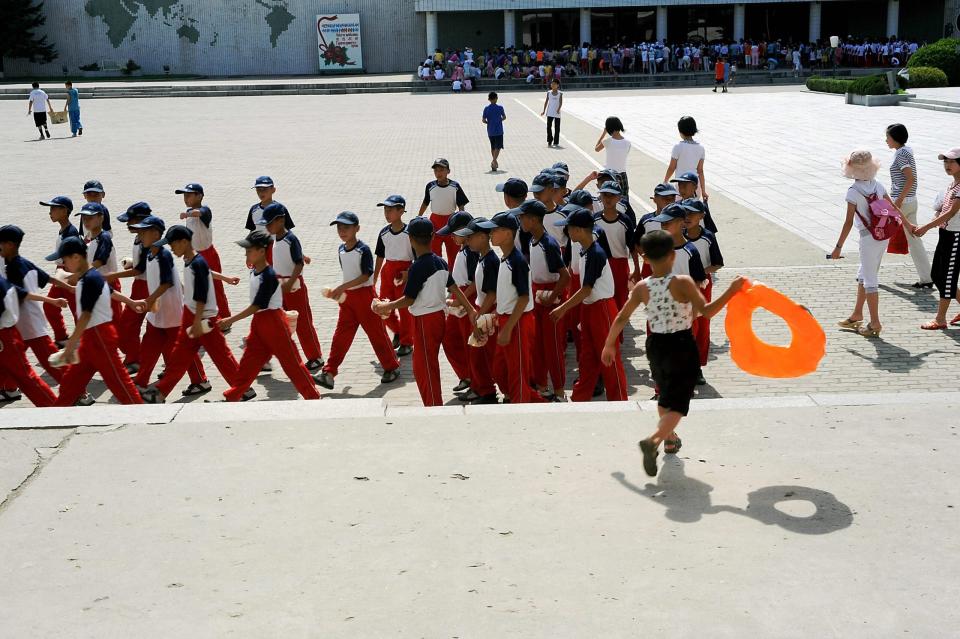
{"x": 45, "y": 455}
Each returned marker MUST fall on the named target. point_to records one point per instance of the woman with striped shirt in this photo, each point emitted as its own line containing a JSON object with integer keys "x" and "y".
{"x": 903, "y": 180}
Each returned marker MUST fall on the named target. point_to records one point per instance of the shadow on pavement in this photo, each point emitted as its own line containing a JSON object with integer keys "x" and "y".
{"x": 892, "y": 358}
{"x": 923, "y": 300}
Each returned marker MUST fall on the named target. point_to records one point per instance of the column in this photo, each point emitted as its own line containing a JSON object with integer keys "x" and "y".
{"x": 585, "y": 26}
{"x": 815, "y": 22}
{"x": 893, "y": 18}
{"x": 432, "y": 36}
{"x": 662, "y": 33}
{"x": 509, "y": 28}
{"x": 739, "y": 20}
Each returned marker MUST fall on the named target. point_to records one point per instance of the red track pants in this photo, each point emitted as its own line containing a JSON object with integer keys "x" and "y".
{"x": 620, "y": 269}
{"x": 17, "y": 371}
{"x": 455, "y": 336}
{"x": 213, "y": 261}
{"x": 98, "y": 354}
{"x": 440, "y": 241}
{"x": 548, "y": 346}
{"x": 355, "y": 313}
{"x": 481, "y": 367}
{"x": 701, "y": 326}
{"x": 185, "y": 351}
{"x": 42, "y": 347}
{"x": 161, "y": 341}
{"x": 572, "y": 317}
{"x": 400, "y": 322}
{"x": 54, "y": 314}
{"x": 131, "y": 323}
{"x": 269, "y": 338}
{"x": 299, "y": 301}
{"x": 427, "y": 336}
{"x": 595, "y": 322}
{"x": 512, "y": 364}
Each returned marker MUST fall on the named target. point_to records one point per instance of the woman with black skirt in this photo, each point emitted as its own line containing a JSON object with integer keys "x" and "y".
{"x": 946, "y": 259}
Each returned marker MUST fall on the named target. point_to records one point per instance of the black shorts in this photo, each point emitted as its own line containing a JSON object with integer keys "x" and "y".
{"x": 496, "y": 142}
{"x": 40, "y": 119}
{"x": 674, "y": 366}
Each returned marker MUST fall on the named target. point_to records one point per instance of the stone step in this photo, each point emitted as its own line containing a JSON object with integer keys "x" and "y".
{"x": 946, "y": 103}
{"x": 945, "y": 108}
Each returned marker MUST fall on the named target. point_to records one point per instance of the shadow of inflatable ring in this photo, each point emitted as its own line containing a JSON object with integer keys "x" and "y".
{"x": 830, "y": 515}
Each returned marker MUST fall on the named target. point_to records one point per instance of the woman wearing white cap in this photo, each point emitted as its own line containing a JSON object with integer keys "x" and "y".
{"x": 862, "y": 168}
{"x": 946, "y": 259}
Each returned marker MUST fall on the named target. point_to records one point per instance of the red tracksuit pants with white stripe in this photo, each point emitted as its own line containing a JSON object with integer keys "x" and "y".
{"x": 131, "y": 323}
{"x": 161, "y": 341}
{"x": 440, "y": 241}
{"x": 427, "y": 336}
{"x": 54, "y": 314}
{"x": 98, "y": 354}
{"x": 455, "y": 336}
{"x": 299, "y": 301}
{"x": 400, "y": 322}
{"x": 355, "y": 313}
{"x": 548, "y": 345}
{"x": 42, "y": 347}
{"x": 701, "y": 326}
{"x": 620, "y": 269}
{"x": 187, "y": 348}
{"x": 595, "y": 322}
{"x": 269, "y": 337}
{"x": 572, "y": 318}
{"x": 512, "y": 365}
{"x": 17, "y": 371}
{"x": 481, "y": 367}
{"x": 213, "y": 261}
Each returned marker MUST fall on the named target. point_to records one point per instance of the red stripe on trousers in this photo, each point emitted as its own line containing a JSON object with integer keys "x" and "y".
{"x": 455, "y": 337}
{"x": 427, "y": 336}
{"x": 299, "y": 301}
{"x": 98, "y": 354}
{"x": 186, "y": 349}
{"x": 701, "y": 326}
{"x": 17, "y": 371}
{"x": 213, "y": 261}
{"x": 573, "y": 316}
{"x": 54, "y": 314}
{"x": 161, "y": 341}
{"x": 620, "y": 269}
{"x": 131, "y": 324}
{"x": 355, "y": 313}
{"x": 595, "y": 322}
{"x": 400, "y": 322}
{"x": 43, "y": 347}
{"x": 550, "y": 338}
{"x": 440, "y": 241}
{"x": 513, "y": 361}
{"x": 481, "y": 367}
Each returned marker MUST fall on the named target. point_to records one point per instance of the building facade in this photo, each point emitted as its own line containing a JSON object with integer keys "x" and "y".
{"x": 278, "y": 37}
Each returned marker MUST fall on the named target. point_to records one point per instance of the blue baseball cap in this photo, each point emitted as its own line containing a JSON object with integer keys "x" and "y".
{"x": 420, "y": 227}
{"x": 135, "y": 211}
{"x": 579, "y": 217}
{"x": 11, "y": 233}
{"x": 150, "y": 222}
{"x": 263, "y": 181}
{"x": 689, "y": 176}
{"x": 345, "y": 217}
{"x": 530, "y": 207}
{"x": 272, "y": 212}
{"x": 394, "y": 200}
{"x": 611, "y": 188}
{"x": 259, "y": 239}
{"x": 70, "y": 246}
{"x": 502, "y": 220}
{"x": 455, "y": 222}
{"x": 193, "y": 187}
{"x": 60, "y": 200}
{"x": 693, "y": 205}
{"x": 174, "y": 233}
{"x": 92, "y": 208}
{"x": 561, "y": 168}
{"x": 514, "y": 187}
{"x": 665, "y": 190}
{"x": 543, "y": 181}
{"x": 610, "y": 174}
{"x": 93, "y": 186}
{"x": 473, "y": 227}
{"x": 670, "y": 213}
{"x": 582, "y": 198}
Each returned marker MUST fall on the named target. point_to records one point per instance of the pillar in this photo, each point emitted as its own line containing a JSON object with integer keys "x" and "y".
{"x": 662, "y": 33}
{"x": 815, "y": 21}
{"x": 585, "y": 26}
{"x": 893, "y": 18}
{"x": 739, "y": 21}
{"x": 433, "y": 37}
{"x": 509, "y": 28}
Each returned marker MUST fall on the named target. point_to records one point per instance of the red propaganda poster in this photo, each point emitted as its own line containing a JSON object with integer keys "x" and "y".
{"x": 338, "y": 40}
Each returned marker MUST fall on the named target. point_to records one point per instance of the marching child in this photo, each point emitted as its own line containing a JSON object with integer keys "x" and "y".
{"x": 618, "y": 239}
{"x": 672, "y": 303}
{"x": 288, "y": 262}
{"x": 356, "y": 262}
{"x": 101, "y": 252}
{"x": 443, "y": 196}
{"x": 688, "y": 155}
{"x": 198, "y": 219}
{"x": 687, "y": 184}
{"x": 550, "y": 278}
{"x": 93, "y": 193}
{"x": 394, "y": 256}
{"x": 425, "y": 295}
{"x": 663, "y": 195}
{"x": 457, "y": 329}
{"x": 269, "y": 333}
{"x": 485, "y": 286}
{"x": 130, "y": 323}
{"x": 265, "y": 190}
{"x": 597, "y": 312}
{"x": 712, "y": 260}
{"x": 61, "y": 207}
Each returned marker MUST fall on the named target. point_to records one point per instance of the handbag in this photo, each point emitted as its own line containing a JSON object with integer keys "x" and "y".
{"x": 884, "y": 220}
{"x": 898, "y": 243}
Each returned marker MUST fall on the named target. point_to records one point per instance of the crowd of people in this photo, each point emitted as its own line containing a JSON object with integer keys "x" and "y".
{"x": 465, "y": 68}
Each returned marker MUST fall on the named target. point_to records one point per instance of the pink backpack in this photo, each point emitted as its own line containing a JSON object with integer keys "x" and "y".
{"x": 884, "y": 220}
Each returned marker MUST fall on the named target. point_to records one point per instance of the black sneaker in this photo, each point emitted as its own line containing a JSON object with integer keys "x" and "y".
{"x": 325, "y": 380}
{"x": 196, "y": 389}
{"x": 598, "y": 388}
{"x": 922, "y": 285}
{"x": 314, "y": 365}
{"x": 266, "y": 368}
{"x": 396, "y": 341}
{"x": 86, "y": 400}
{"x": 404, "y": 350}
{"x": 80, "y": 131}
{"x": 701, "y": 381}
{"x": 485, "y": 399}
{"x": 48, "y": 134}
{"x": 10, "y": 396}
{"x": 650, "y": 453}
{"x": 390, "y": 376}
{"x": 152, "y": 396}
{"x": 248, "y": 395}
{"x": 132, "y": 368}
{"x": 469, "y": 396}
{"x": 462, "y": 386}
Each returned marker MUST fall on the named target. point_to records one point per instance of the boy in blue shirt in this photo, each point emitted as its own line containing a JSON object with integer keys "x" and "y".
{"x": 72, "y": 107}
{"x": 493, "y": 117}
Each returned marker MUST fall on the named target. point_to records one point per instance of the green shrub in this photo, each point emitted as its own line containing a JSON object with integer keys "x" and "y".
{"x": 942, "y": 55}
{"x": 870, "y": 85}
{"x": 921, "y": 77}
{"x": 828, "y": 85}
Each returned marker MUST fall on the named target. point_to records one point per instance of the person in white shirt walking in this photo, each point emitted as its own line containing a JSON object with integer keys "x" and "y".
{"x": 617, "y": 149}
{"x": 39, "y": 103}
{"x": 552, "y": 106}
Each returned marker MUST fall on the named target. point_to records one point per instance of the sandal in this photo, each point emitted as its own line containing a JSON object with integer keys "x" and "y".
{"x": 649, "y": 450}
{"x": 955, "y": 320}
{"x": 850, "y": 324}
{"x": 869, "y": 331}
{"x": 933, "y": 326}
{"x": 672, "y": 446}
{"x": 196, "y": 389}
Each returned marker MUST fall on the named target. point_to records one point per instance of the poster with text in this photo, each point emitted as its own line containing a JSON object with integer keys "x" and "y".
{"x": 338, "y": 39}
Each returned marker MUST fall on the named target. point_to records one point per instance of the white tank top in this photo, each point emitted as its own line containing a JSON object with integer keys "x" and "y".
{"x": 666, "y": 314}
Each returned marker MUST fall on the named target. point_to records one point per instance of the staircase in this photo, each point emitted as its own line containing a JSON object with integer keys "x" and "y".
{"x": 931, "y": 105}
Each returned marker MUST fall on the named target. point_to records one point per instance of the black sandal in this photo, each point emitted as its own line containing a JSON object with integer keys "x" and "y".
{"x": 672, "y": 446}
{"x": 650, "y": 452}
{"x": 196, "y": 389}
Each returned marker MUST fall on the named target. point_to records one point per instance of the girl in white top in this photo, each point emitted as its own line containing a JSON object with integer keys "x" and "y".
{"x": 617, "y": 149}
{"x": 552, "y": 105}
{"x": 688, "y": 155}
{"x": 862, "y": 168}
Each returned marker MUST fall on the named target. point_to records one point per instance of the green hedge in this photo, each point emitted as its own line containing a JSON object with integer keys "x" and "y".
{"x": 942, "y": 55}
{"x": 921, "y": 77}
{"x": 870, "y": 85}
{"x": 828, "y": 85}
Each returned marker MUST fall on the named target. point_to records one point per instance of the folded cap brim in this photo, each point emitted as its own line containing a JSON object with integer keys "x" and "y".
{"x": 445, "y": 230}
{"x": 340, "y": 220}
{"x": 123, "y": 217}
{"x": 488, "y": 225}
{"x": 464, "y": 232}
{"x": 53, "y": 257}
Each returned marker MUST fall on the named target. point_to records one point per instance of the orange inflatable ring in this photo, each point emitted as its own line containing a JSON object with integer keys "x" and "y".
{"x": 808, "y": 342}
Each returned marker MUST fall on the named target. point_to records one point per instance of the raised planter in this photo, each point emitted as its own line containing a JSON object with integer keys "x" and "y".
{"x": 877, "y": 100}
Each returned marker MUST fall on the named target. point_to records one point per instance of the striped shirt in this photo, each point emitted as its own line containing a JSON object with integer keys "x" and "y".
{"x": 903, "y": 159}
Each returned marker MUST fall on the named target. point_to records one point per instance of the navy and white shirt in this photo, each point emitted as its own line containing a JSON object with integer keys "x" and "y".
{"x": 595, "y": 272}
{"x": 256, "y": 212}
{"x": 93, "y": 296}
{"x": 10, "y": 297}
{"x": 287, "y": 255}
{"x": 167, "y": 312}
{"x": 688, "y": 262}
{"x": 708, "y": 248}
{"x": 446, "y": 199}
{"x": 265, "y": 291}
{"x": 646, "y": 225}
{"x": 618, "y": 235}
{"x": 355, "y": 262}
{"x": 139, "y": 258}
{"x": 101, "y": 249}
{"x": 546, "y": 260}
{"x": 485, "y": 276}
{"x": 69, "y": 231}
{"x": 427, "y": 282}
{"x": 556, "y": 232}
{"x": 393, "y": 245}
{"x": 464, "y": 266}
{"x": 23, "y": 273}
{"x": 198, "y": 287}
{"x": 513, "y": 281}
{"x": 623, "y": 206}
{"x": 202, "y": 229}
